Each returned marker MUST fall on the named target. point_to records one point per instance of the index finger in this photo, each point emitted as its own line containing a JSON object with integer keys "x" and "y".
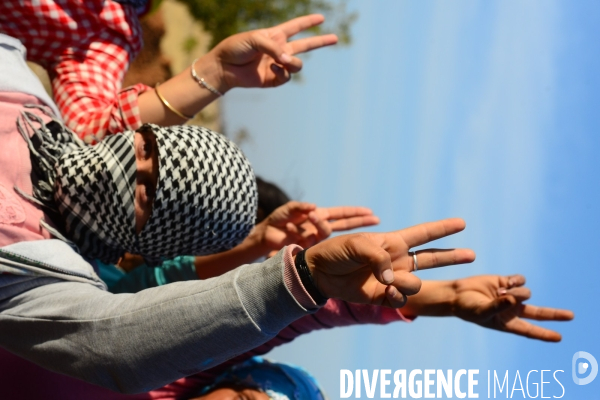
{"x": 345, "y": 224}
{"x": 429, "y": 231}
{"x": 296, "y": 25}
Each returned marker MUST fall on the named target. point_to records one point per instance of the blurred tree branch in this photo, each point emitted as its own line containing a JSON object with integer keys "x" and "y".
{"x": 223, "y": 18}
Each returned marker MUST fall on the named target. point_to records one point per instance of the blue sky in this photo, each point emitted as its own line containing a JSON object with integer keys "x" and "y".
{"x": 484, "y": 110}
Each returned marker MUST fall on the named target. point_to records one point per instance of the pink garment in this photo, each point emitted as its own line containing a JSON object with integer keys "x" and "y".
{"x": 19, "y": 218}
{"x": 335, "y": 313}
{"x": 21, "y": 379}
{"x": 292, "y": 279}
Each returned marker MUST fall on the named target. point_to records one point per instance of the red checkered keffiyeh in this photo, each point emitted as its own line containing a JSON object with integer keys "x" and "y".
{"x": 86, "y": 45}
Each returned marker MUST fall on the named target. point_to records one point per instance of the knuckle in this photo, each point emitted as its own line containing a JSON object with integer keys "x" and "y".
{"x": 434, "y": 260}
{"x": 379, "y": 257}
{"x": 354, "y": 241}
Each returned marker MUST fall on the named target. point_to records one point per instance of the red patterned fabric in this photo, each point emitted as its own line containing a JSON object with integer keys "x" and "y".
{"x": 86, "y": 45}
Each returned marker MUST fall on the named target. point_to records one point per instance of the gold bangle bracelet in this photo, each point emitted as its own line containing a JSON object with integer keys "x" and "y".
{"x": 169, "y": 106}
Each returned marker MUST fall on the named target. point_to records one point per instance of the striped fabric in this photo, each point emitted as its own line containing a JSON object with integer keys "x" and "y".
{"x": 205, "y": 200}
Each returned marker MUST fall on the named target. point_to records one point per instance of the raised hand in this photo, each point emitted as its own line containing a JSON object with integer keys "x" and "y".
{"x": 375, "y": 268}
{"x": 280, "y": 228}
{"x": 264, "y": 57}
{"x": 260, "y": 58}
{"x": 324, "y": 220}
{"x": 496, "y": 302}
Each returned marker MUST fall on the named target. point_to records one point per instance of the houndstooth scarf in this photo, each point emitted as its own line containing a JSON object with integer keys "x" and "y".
{"x": 205, "y": 200}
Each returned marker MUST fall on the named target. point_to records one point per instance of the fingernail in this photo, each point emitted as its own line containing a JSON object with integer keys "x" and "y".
{"x": 388, "y": 276}
{"x": 511, "y": 283}
{"x": 285, "y": 58}
{"x": 502, "y": 291}
{"x": 392, "y": 291}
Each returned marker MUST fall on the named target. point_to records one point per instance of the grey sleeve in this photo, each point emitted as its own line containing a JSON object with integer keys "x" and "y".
{"x": 136, "y": 342}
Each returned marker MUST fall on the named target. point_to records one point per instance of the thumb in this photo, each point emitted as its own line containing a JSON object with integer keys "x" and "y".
{"x": 268, "y": 46}
{"x": 497, "y": 306}
{"x": 365, "y": 251}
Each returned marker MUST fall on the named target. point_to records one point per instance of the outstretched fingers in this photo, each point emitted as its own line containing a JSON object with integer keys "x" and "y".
{"x": 343, "y": 212}
{"x": 523, "y": 328}
{"x": 354, "y": 222}
{"x": 427, "y": 232}
{"x": 297, "y": 25}
{"x": 347, "y": 217}
{"x": 434, "y": 258}
{"x": 519, "y": 326}
{"x": 545, "y": 313}
{"x": 311, "y": 43}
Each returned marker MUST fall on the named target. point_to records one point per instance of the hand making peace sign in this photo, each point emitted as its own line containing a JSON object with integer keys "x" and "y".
{"x": 265, "y": 57}
{"x": 375, "y": 268}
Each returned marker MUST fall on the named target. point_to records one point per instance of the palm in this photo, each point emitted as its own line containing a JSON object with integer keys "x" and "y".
{"x": 250, "y": 67}
{"x": 472, "y": 300}
{"x": 277, "y": 237}
{"x": 276, "y": 232}
{"x": 496, "y": 302}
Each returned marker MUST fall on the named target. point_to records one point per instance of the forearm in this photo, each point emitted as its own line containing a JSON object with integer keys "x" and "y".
{"x": 133, "y": 343}
{"x": 183, "y": 93}
{"x": 180, "y": 269}
{"x": 251, "y": 249}
{"x": 435, "y": 299}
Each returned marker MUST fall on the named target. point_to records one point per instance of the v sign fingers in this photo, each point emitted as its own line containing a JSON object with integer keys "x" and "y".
{"x": 424, "y": 233}
{"x": 360, "y": 267}
{"x": 297, "y": 25}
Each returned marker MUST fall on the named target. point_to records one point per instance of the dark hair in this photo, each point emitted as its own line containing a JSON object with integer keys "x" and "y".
{"x": 270, "y": 197}
{"x": 234, "y": 384}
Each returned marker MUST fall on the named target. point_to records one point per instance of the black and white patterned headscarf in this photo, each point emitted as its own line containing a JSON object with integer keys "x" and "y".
{"x": 205, "y": 199}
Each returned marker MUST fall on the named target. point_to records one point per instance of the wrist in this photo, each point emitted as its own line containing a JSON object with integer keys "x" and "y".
{"x": 254, "y": 244}
{"x": 258, "y": 240}
{"x": 435, "y": 299}
{"x": 308, "y": 277}
{"x": 209, "y": 69}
